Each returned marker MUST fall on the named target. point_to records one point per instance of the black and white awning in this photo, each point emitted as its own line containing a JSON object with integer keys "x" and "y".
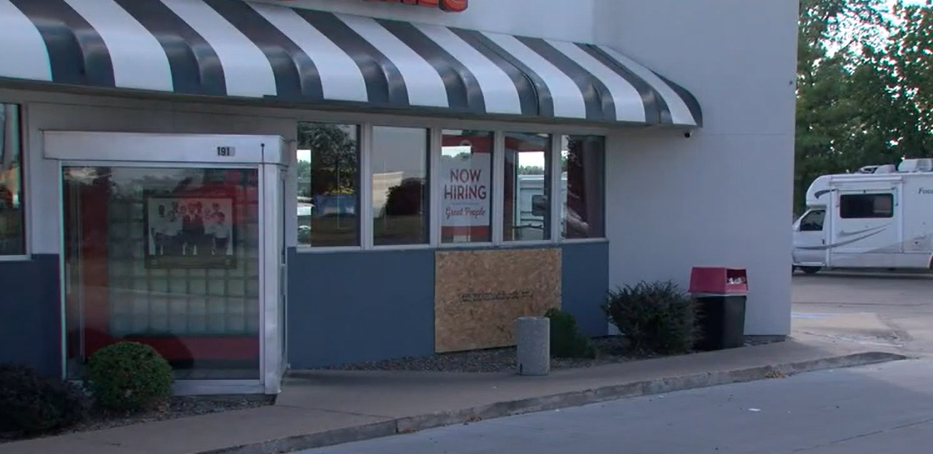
{"x": 252, "y": 50}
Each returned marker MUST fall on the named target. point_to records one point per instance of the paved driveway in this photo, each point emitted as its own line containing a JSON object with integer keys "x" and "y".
{"x": 886, "y": 310}
{"x": 868, "y": 410}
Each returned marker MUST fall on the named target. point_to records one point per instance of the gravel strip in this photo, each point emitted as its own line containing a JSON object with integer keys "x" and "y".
{"x": 490, "y": 360}
{"x": 180, "y": 407}
{"x": 612, "y": 350}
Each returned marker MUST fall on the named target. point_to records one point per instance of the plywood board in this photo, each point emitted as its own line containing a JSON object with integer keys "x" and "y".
{"x": 479, "y": 294}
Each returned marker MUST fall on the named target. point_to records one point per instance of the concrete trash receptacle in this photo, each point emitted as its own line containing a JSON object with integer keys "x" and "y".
{"x": 533, "y": 345}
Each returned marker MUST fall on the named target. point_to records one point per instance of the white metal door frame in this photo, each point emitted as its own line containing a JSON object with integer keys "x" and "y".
{"x": 265, "y": 154}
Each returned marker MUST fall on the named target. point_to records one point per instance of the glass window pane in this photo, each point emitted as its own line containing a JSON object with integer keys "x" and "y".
{"x": 466, "y": 186}
{"x": 12, "y": 230}
{"x": 328, "y": 185}
{"x": 583, "y": 162}
{"x": 178, "y": 283}
{"x": 527, "y": 210}
{"x": 400, "y": 186}
{"x": 866, "y": 206}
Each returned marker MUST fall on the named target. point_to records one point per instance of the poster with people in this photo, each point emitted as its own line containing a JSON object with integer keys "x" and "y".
{"x": 189, "y": 232}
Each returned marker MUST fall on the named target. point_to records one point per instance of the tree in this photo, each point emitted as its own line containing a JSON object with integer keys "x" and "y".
{"x": 830, "y": 123}
{"x": 530, "y": 170}
{"x": 334, "y": 165}
{"x": 406, "y": 199}
{"x": 865, "y": 86}
{"x": 907, "y": 71}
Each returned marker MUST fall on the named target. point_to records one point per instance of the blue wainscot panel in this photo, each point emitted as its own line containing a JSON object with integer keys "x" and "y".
{"x": 584, "y": 283}
{"x": 359, "y": 306}
{"x": 30, "y": 314}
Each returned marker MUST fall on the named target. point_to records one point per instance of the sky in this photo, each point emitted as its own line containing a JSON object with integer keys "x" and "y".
{"x": 832, "y": 47}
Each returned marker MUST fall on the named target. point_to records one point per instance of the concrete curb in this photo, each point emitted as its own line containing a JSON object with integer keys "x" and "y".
{"x": 563, "y": 400}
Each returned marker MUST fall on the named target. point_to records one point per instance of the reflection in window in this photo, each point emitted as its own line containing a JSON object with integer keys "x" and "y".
{"x": 813, "y": 222}
{"x": 400, "y": 182}
{"x": 168, "y": 257}
{"x": 527, "y": 210}
{"x": 328, "y": 185}
{"x": 583, "y": 162}
{"x": 12, "y": 232}
{"x": 866, "y": 206}
{"x": 466, "y": 186}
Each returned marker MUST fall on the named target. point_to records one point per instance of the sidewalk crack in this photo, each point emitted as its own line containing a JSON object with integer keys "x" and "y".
{"x": 865, "y": 435}
{"x": 339, "y": 412}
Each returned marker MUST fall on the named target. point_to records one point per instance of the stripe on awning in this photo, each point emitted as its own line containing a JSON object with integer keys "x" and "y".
{"x": 250, "y": 50}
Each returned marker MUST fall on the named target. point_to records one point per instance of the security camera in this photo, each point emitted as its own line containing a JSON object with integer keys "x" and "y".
{"x": 688, "y": 135}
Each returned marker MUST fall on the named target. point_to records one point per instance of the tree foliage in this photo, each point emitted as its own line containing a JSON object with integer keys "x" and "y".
{"x": 863, "y": 86}
{"x": 334, "y": 161}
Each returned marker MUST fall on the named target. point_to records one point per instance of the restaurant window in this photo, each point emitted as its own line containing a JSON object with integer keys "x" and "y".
{"x": 466, "y": 186}
{"x": 400, "y": 184}
{"x": 12, "y": 229}
{"x": 328, "y": 185}
{"x": 527, "y": 190}
{"x": 583, "y": 162}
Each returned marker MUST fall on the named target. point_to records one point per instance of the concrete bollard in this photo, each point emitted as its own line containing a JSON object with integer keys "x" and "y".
{"x": 533, "y": 342}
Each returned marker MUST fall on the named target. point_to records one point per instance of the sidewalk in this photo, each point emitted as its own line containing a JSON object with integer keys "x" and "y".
{"x": 320, "y": 408}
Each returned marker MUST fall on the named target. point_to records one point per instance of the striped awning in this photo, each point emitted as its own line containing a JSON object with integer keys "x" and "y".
{"x": 252, "y": 50}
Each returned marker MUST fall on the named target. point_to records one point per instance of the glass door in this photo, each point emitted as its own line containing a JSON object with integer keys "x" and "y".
{"x": 166, "y": 256}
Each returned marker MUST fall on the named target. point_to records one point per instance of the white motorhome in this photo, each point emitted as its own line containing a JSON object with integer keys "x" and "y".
{"x": 880, "y": 217}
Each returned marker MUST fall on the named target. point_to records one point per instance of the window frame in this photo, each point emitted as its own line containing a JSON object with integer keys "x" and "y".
{"x": 549, "y": 180}
{"x": 874, "y": 196}
{"x": 23, "y": 157}
{"x": 361, "y": 180}
{"x": 435, "y": 132}
{"x": 495, "y": 183}
{"x": 602, "y": 192}
{"x": 429, "y": 206}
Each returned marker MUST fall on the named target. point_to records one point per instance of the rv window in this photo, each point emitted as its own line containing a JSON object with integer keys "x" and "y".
{"x": 813, "y": 221}
{"x": 864, "y": 206}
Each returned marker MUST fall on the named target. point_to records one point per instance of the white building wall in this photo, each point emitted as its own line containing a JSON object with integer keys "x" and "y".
{"x": 723, "y": 196}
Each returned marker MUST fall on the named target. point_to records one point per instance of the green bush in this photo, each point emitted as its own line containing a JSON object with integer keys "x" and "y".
{"x": 566, "y": 339}
{"x": 129, "y": 377}
{"x": 35, "y": 404}
{"x": 655, "y": 317}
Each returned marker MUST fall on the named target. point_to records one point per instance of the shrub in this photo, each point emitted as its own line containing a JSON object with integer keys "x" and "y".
{"x": 566, "y": 339}
{"x": 655, "y": 317}
{"x": 35, "y": 404}
{"x": 129, "y": 377}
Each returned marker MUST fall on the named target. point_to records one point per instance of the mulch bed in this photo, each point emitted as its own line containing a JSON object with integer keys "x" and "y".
{"x": 612, "y": 350}
{"x": 180, "y": 407}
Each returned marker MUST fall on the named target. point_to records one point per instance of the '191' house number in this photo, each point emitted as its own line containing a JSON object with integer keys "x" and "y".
{"x": 226, "y": 152}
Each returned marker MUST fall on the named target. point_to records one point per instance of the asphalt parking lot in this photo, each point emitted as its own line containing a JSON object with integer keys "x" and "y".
{"x": 881, "y": 309}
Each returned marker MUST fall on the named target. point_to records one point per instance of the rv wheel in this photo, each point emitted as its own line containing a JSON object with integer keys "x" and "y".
{"x": 810, "y": 269}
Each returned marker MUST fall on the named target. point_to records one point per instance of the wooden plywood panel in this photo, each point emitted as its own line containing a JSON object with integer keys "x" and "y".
{"x": 479, "y": 294}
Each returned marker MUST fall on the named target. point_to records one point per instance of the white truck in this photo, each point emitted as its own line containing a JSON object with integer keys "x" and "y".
{"x": 880, "y": 217}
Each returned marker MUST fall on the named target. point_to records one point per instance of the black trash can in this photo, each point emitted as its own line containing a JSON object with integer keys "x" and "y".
{"x": 721, "y": 294}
